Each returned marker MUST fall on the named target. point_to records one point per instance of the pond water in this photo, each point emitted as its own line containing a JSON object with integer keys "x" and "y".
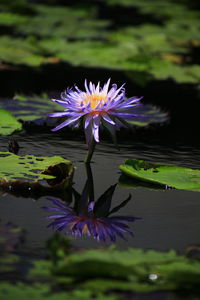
{"x": 169, "y": 218}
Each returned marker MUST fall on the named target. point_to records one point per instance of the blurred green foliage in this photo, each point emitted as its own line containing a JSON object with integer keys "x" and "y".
{"x": 96, "y": 273}
{"x": 105, "y": 270}
{"x": 163, "y": 48}
{"x": 42, "y": 292}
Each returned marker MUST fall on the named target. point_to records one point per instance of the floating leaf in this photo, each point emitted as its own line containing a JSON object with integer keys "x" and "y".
{"x": 25, "y": 174}
{"x": 100, "y": 271}
{"x": 22, "y": 291}
{"x": 24, "y": 53}
{"x": 170, "y": 175}
{"x": 158, "y": 50}
{"x": 129, "y": 183}
{"x": 8, "y": 123}
{"x": 29, "y": 108}
{"x": 130, "y": 270}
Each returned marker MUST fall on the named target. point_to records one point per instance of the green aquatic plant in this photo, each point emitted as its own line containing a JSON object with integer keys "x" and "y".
{"x": 22, "y": 291}
{"x": 56, "y": 21}
{"x": 25, "y": 53}
{"x": 29, "y": 167}
{"x": 161, "y": 174}
{"x": 98, "y": 272}
{"x": 147, "y": 51}
{"x": 136, "y": 270}
{"x": 8, "y": 123}
{"x": 30, "y": 108}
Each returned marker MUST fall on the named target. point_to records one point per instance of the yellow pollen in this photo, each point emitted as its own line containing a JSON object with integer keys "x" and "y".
{"x": 85, "y": 228}
{"x": 94, "y": 100}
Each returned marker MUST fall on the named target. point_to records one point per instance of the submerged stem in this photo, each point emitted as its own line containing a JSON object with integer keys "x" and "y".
{"x": 90, "y": 182}
{"x": 90, "y": 152}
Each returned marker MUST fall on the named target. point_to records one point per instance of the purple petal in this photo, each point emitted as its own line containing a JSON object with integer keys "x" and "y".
{"x": 63, "y": 103}
{"x": 96, "y": 123}
{"x": 88, "y": 120}
{"x": 108, "y": 119}
{"x": 89, "y": 135}
{"x": 105, "y": 88}
{"x": 86, "y": 87}
{"x": 60, "y": 114}
{"x": 66, "y": 123}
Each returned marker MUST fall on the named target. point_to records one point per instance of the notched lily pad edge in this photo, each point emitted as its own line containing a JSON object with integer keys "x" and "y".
{"x": 56, "y": 178}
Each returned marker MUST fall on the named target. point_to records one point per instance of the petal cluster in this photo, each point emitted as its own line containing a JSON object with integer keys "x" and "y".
{"x": 100, "y": 228}
{"x": 96, "y": 105}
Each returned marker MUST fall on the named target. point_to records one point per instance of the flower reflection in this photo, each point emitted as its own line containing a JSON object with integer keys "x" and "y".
{"x": 89, "y": 217}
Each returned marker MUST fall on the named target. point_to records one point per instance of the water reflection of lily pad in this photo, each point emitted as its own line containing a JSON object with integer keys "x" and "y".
{"x": 27, "y": 172}
{"x": 10, "y": 237}
{"x": 160, "y": 174}
{"x": 8, "y": 123}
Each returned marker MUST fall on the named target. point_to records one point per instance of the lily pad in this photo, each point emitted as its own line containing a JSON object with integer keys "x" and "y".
{"x": 29, "y": 108}
{"x": 170, "y": 175}
{"x": 27, "y": 173}
{"x": 131, "y": 270}
{"x": 8, "y": 123}
{"x": 41, "y": 292}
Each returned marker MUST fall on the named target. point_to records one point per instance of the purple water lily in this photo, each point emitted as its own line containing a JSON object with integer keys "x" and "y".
{"x": 96, "y": 106}
{"x": 91, "y": 218}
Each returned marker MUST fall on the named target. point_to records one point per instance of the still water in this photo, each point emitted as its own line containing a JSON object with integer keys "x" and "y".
{"x": 169, "y": 218}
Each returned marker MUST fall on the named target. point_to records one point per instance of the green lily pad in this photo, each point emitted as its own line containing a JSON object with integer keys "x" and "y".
{"x": 41, "y": 292}
{"x": 8, "y": 123}
{"x": 29, "y": 108}
{"x": 170, "y": 175}
{"x": 21, "y": 174}
{"x": 34, "y": 109}
{"x": 131, "y": 270}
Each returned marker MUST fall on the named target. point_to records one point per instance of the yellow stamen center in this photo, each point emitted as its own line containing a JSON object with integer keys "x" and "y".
{"x": 94, "y": 100}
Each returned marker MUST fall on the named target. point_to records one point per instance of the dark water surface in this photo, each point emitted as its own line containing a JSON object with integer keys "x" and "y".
{"x": 169, "y": 218}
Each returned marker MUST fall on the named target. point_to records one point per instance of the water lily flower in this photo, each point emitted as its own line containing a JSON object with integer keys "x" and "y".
{"x": 96, "y": 106}
{"x": 90, "y": 218}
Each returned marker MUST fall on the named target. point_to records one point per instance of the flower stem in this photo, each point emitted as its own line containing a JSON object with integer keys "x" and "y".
{"x": 90, "y": 152}
{"x": 90, "y": 182}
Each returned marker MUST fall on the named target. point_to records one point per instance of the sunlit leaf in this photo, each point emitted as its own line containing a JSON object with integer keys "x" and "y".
{"x": 8, "y": 123}
{"x": 29, "y": 167}
{"x": 169, "y": 175}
